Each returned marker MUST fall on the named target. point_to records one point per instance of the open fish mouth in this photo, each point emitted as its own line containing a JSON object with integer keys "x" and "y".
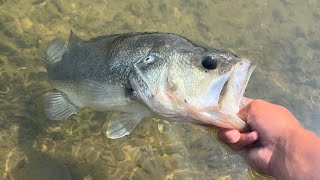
{"x": 235, "y": 87}
{"x": 225, "y": 114}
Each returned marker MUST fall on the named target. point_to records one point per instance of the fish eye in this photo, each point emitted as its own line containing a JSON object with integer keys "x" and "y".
{"x": 210, "y": 62}
{"x": 149, "y": 59}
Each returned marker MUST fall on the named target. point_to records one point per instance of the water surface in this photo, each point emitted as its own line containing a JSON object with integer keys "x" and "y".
{"x": 282, "y": 37}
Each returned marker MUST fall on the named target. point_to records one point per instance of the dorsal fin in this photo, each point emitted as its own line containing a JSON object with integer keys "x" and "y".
{"x": 109, "y": 37}
{"x": 74, "y": 40}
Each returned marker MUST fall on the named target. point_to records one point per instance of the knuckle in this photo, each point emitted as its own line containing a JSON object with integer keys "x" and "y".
{"x": 256, "y": 104}
{"x": 251, "y": 117}
{"x": 282, "y": 109}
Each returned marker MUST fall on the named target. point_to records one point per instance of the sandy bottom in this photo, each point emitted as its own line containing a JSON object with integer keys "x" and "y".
{"x": 282, "y": 37}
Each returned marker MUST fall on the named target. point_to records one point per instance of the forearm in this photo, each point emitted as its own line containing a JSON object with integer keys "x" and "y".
{"x": 297, "y": 157}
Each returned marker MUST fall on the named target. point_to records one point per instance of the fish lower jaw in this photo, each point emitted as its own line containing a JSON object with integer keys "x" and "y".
{"x": 222, "y": 120}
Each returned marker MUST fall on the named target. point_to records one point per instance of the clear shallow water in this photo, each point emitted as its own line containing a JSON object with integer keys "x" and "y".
{"x": 282, "y": 37}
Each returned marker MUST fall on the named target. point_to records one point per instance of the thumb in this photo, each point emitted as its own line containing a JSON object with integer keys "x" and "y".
{"x": 243, "y": 113}
{"x": 245, "y": 101}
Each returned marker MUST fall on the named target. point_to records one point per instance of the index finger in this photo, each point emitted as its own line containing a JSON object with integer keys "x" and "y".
{"x": 245, "y": 101}
{"x": 242, "y": 114}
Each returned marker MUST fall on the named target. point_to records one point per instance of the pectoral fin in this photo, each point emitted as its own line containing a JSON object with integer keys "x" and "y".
{"x": 104, "y": 93}
{"x": 59, "y": 106}
{"x": 122, "y": 124}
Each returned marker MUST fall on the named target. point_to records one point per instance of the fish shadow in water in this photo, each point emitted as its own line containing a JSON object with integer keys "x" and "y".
{"x": 33, "y": 157}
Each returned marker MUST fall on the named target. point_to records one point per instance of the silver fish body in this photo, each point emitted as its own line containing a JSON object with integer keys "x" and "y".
{"x": 145, "y": 75}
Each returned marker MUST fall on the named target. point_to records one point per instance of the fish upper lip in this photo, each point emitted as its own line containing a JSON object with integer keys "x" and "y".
{"x": 251, "y": 67}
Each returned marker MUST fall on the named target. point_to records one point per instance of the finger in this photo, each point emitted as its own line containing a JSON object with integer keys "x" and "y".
{"x": 244, "y": 140}
{"x": 245, "y": 101}
{"x": 243, "y": 113}
{"x": 244, "y": 105}
{"x": 229, "y": 135}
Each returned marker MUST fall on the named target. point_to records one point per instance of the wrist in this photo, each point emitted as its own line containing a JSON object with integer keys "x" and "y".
{"x": 296, "y": 155}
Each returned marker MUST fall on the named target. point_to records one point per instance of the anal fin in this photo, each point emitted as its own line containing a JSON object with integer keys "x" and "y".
{"x": 122, "y": 124}
{"x": 59, "y": 106}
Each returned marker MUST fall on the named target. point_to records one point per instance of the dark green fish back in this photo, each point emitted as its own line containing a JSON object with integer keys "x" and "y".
{"x": 110, "y": 58}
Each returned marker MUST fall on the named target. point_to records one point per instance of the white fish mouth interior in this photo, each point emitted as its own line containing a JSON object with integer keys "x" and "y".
{"x": 245, "y": 81}
{"x": 223, "y": 92}
{"x": 231, "y": 94}
{"x": 235, "y": 87}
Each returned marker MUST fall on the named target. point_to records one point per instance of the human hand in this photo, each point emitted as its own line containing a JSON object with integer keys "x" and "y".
{"x": 270, "y": 125}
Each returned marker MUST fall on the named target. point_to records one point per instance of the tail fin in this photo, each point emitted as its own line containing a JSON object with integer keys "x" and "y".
{"x": 55, "y": 51}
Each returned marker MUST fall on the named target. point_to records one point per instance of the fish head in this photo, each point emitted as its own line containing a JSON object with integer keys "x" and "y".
{"x": 198, "y": 85}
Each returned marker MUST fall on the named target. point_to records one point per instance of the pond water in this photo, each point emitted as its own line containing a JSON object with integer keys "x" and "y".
{"x": 282, "y": 37}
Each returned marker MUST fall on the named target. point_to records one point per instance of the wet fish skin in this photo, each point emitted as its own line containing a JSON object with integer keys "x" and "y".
{"x": 110, "y": 58}
{"x": 142, "y": 75}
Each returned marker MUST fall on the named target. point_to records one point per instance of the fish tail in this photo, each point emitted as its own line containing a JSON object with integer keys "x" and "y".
{"x": 54, "y": 52}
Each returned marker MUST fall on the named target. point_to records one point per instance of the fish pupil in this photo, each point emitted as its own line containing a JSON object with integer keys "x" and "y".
{"x": 149, "y": 60}
{"x": 209, "y": 62}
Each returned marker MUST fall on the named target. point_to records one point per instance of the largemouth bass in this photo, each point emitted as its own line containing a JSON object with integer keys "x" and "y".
{"x": 145, "y": 75}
